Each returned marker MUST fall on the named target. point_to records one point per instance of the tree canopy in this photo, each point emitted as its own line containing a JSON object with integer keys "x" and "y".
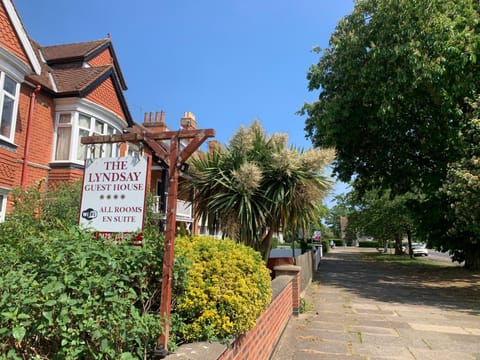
{"x": 392, "y": 87}
{"x": 461, "y": 192}
{"x": 396, "y": 88}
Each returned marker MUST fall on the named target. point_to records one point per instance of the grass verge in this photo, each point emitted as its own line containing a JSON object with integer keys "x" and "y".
{"x": 406, "y": 260}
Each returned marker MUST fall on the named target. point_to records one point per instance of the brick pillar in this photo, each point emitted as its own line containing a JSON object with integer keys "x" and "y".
{"x": 294, "y": 272}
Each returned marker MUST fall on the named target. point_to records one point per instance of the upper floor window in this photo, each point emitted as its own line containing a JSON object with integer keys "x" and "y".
{"x": 9, "y": 90}
{"x": 71, "y": 127}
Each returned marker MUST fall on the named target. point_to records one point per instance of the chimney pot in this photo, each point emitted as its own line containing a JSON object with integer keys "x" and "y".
{"x": 188, "y": 121}
{"x": 155, "y": 121}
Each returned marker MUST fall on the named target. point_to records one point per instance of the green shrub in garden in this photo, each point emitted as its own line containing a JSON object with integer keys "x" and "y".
{"x": 368, "y": 244}
{"x": 325, "y": 246}
{"x": 73, "y": 297}
{"x": 226, "y": 288}
{"x": 66, "y": 295}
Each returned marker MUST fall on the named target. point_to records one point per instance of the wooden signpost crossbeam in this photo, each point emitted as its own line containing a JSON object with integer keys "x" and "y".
{"x": 173, "y": 156}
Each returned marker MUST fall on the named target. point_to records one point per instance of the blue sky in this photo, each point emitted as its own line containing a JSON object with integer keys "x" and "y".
{"x": 227, "y": 61}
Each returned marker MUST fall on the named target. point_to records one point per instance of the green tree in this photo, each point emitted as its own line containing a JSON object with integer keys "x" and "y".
{"x": 258, "y": 186}
{"x": 341, "y": 209}
{"x": 462, "y": 194}
{"x": 395, "y": 85}
{"x": 392, "y": 86}
{"x": 385, "y": 217}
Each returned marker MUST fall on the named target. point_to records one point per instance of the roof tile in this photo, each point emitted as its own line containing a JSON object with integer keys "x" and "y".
{"x": 76, "y": 80}
{"x": 69, "y": 51}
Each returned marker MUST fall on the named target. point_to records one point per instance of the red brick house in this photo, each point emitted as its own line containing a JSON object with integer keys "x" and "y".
{"x": 51, "y": 97}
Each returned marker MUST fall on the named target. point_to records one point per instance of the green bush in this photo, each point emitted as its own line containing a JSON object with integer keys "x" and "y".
{"x": 305, "y": 245}
{"x": 69, "y": 296}
{"x": 325, "y": 246}
{"x": 339, "y": 242}
{"x": 274, "y": 242}
{"x": 227, "y": 288}
{"x": 66, "y": 295}
{"x": 368, "y": 244}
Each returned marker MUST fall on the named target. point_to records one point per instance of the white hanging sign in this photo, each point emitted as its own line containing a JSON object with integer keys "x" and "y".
{"x": 113, "y": 194}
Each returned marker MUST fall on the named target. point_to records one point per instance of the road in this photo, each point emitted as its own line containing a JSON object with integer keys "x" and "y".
{"x": 439, "y": 256}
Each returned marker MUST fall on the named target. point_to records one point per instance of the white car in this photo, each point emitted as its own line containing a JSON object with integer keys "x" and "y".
{"x": 419, "y": 249}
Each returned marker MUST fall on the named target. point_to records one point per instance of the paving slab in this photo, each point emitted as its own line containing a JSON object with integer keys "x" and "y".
{"x": 361, "y": 309}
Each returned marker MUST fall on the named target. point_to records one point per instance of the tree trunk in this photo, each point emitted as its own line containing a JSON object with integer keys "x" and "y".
{"x": 472, "y": 258}
{"x": 267, "y": 245}
{"x": 409, "y": 237}
{"x": 398, "y": 245}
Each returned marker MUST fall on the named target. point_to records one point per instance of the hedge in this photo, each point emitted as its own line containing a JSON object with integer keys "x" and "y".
{"x": 368, "y": 244}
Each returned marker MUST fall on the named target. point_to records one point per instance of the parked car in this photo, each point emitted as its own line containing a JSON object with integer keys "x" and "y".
{"x": 419, "y": 249}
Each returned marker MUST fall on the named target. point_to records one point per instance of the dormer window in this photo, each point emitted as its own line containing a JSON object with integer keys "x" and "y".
{"x": 9, "y": 90}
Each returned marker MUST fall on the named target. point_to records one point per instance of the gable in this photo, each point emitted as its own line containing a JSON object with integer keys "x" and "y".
{"x": 103, "y": 58}
{"x": 105, "y": 94}
{"x": 13, "y": 36}
{"x": 8, "y": 36}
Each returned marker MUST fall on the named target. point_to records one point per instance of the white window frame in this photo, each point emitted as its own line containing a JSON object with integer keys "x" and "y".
{"x": 3, "y": 204}
{"x": 93, "y": 129}
{"x": 63, "y": 125}
{"x": 78, "y": 109}
{"x": 15, "y": 97}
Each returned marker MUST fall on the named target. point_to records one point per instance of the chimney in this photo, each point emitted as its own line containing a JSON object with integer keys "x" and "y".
{"x": 155, "y": 122}
{"x": 188, "y": 121}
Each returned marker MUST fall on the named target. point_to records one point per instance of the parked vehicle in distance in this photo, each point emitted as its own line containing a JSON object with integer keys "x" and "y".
{"x": 419, "y": 249}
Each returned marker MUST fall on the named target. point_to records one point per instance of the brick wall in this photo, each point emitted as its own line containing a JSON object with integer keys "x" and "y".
{"x": 8, "y": 168}
{"x": 41, "y": 135}
{"x": 104, "y": 58}
{"x": 106, "y": 96}
{"x": 41, "y": 140}
{"x": 60, "y": 175}
{"x": 259, "y": 343}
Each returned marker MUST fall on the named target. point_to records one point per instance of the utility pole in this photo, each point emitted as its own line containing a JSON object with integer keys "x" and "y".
{"x": 174, "y": 157}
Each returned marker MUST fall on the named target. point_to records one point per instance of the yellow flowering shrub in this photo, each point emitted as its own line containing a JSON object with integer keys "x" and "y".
{"x": 226, "y": 286}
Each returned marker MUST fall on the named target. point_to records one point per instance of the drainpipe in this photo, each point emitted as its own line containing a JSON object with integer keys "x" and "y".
{"x": 34, "y": 93}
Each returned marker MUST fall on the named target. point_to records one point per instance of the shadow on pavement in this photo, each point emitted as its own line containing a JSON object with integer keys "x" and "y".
{"x": 446, "y": 287}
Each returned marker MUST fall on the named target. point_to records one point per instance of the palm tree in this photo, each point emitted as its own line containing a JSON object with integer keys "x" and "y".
{"x": 257, "y": 186}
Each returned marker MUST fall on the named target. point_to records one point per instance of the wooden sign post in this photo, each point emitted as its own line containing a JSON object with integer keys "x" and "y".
{"x": 174, "y": 157}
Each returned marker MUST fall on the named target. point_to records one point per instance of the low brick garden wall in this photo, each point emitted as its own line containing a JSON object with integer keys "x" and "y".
{"x": 259, "y": 343}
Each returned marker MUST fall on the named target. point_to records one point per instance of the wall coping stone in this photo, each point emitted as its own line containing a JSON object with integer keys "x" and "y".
{"x": 198, "y": 351}
{"x": 289, "y": 268}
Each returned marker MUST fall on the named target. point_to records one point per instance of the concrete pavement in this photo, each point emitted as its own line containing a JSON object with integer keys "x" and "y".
{"x": 361, "y": 309}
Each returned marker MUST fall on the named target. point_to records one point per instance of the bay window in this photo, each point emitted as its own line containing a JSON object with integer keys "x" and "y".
{"x": 9, "y": 90}
{"x": 71, "y": 127}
